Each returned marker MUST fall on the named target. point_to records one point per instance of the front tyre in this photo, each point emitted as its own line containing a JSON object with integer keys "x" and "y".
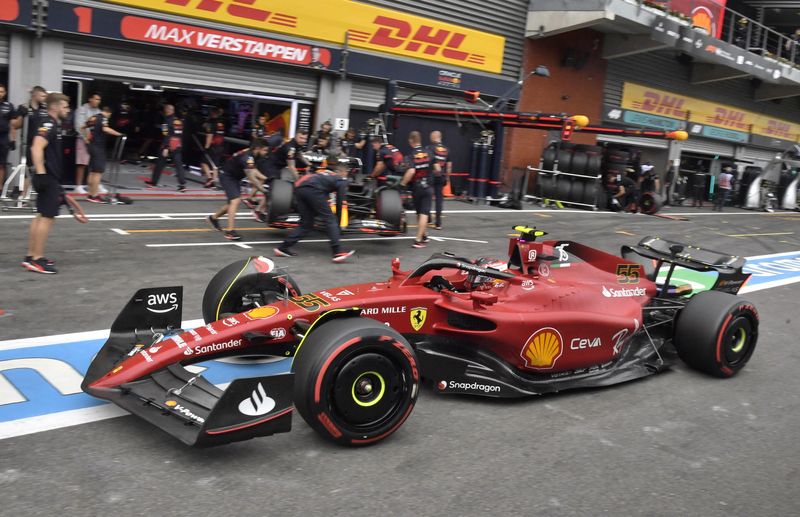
{"x": 244, "y": 285}
{"x": 356, "y": 381}
{"x": 716, "y": 333}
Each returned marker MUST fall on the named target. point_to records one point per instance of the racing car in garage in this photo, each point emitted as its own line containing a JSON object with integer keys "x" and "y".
{"x": 551, "y": 315}
{"x": 368, "y": 208}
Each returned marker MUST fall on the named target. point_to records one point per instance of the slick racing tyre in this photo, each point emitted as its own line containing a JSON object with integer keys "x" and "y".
{"x": 356, "y": 380}
{"x": 287, "y": 174}
{"x": 244, "y": 285}
{"x": 590, "y": 193}
{"x": 578, "y": 186}
{"x": 580, "y": 160}
{"x": 594, "y": 164}
{"x": 565, "y": 160}
{"x": 547, "y": 184}
{"x": 549, "y": 158}
{"x": 716, "y": 333}
{"x": 563, "y": 188}
{"x": 280, "y": 199}
{"x": 389, "y": 208}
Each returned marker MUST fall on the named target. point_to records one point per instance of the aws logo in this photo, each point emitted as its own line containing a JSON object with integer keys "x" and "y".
{"x": 543, "y": 349}
{"x": 156, "y": 302}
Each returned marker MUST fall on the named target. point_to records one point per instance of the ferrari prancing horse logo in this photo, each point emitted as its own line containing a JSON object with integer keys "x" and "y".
{"x": 417, "y": 316}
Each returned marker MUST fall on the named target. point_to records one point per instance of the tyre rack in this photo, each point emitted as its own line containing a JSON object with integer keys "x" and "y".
{"x": 544, "y": 190}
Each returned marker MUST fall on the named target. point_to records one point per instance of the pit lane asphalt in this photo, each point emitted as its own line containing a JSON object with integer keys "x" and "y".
{"x": 680, "y": 443}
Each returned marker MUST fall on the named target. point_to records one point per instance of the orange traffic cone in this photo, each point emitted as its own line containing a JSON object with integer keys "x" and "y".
{"x": 446, "y": 192}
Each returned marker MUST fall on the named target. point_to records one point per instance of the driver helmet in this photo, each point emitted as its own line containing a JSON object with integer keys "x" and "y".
{"x": 475, "y": 281}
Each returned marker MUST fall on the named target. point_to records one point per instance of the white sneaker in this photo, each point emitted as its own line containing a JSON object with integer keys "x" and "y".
{"x": 101, "y": 190}
{"x": 80, "y": 189}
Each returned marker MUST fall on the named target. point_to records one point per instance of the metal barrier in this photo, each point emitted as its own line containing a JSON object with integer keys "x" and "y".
{"x": 552, "y": 176}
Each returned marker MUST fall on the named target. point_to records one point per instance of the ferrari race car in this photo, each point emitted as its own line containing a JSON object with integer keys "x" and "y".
{"x": 553, "y": 315}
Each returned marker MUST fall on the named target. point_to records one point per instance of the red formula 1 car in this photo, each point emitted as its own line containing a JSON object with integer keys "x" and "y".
{"x": 553, "y": 315}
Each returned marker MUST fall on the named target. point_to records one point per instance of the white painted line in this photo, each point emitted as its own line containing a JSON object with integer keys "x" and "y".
{"x": 61, "y": 339}
{"x": 121, "y": 232}
{"x": 118, "y": 216}
{"x": 458, "y": 239}
{"x": 245, "y": 246}
{"x": 37, "y": 424}
{"x": 190, "y": 244}
{"x": 768, "y": 285}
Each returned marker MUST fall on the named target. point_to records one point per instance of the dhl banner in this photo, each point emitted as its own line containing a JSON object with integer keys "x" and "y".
{"x": 645, "y": 99}
{"x": 368, "y": 27}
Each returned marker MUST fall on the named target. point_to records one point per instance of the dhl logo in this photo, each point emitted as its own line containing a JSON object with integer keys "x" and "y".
{"x": 393, "y": 33}
{"x": 238, "y": 9}
{"x": 728, "y": 118}
{"x": 779, "y": 129}
{"x": 666, "y": 105}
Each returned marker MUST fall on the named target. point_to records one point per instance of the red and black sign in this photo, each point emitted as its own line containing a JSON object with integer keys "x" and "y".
{"x": 15, "y": 12}
{"x": 116, "y": 25}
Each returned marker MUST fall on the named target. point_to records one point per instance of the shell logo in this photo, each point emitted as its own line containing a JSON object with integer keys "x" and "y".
{"x": 263, "y": 312}
{"x": 170, "y": 403}
{"x": 703, "y": 17}
{"x": 543, "y": 349}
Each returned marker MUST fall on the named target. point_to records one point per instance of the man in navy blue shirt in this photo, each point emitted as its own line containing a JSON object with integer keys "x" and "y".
{"x": 235, "y": 169}
{"x": 312, "y": 192}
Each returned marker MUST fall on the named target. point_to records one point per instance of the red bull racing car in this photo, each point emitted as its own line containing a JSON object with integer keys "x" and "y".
{"x": 551, "y": 316}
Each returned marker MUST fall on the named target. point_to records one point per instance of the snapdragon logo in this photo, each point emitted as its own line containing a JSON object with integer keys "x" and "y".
{"x": 623, "y": 292}
{"x": 215, "y": 347}
{"x": 469, "y": 386}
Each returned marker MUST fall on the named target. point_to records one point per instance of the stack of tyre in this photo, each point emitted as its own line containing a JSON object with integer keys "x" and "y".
{"x": 579, "y": 159}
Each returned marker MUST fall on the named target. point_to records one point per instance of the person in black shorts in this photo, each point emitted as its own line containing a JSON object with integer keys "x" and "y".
{"x": 233, "y": 172}
{"x": 171, "y": 145}
{"x": 8, "y": 133}
{"x": 418, "y": 178}
{"x": 214, "y": 145}
{"x": 312, "y": 192}
{"x": 441, "y": 177}
{"x": 98, "y": 129}
{"x": 48, "y": 160}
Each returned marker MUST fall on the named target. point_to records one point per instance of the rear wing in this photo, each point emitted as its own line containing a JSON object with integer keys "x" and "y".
{"x": 728, "y": 267}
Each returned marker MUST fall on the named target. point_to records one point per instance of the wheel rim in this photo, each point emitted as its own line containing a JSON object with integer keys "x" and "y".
{"x": 738, "y": 341}
{"x": 368, "y": 390}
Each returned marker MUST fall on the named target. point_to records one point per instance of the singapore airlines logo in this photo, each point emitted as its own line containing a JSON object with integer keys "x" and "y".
{"x": 258, "y": 403}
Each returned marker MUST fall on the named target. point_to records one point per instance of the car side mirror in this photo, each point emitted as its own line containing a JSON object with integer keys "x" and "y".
{"x": 482, "y": 298}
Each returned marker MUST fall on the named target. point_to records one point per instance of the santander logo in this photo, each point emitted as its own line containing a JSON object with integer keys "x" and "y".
{"x": 624, "y": 293}
{"x": 258, "y": 403}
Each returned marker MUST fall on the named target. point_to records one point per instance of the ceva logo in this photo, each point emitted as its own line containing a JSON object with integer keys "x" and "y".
{"x": 258, "y": 403}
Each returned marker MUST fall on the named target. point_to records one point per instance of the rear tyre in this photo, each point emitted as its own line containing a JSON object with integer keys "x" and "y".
{"x": 244, "y": 285}
{"x": 716, "y": 333}
{"x": 389, "y": 208}
{"x": 356, "y": 381}
{"x": 281, "y": 195}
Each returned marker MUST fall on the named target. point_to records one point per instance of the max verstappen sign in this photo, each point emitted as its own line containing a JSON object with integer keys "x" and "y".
{"x": 367, "y": 27}
{"x": 111, "y": 24}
